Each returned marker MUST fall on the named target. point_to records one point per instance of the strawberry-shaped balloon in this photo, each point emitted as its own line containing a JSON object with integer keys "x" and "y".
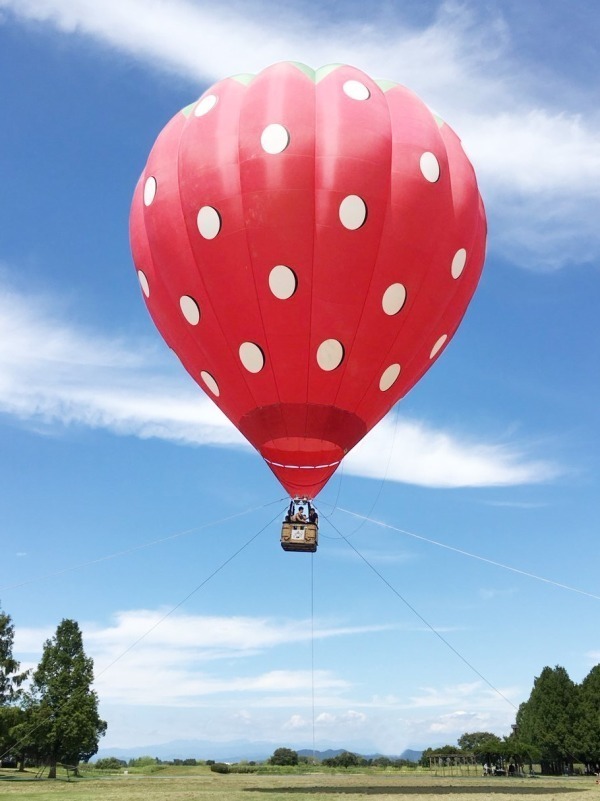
{"x": 307, "y": 242}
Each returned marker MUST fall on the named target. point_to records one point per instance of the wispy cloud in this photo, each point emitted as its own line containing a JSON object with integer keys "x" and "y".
{"x": 53, "y": 373}
{"x": 211, "y": 669}
{"x": 539, "y": 165}
{"x": 418, "y": 454}
{"x": 195, "y": 658}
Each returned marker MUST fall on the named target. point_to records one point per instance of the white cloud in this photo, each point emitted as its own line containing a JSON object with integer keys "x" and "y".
{"x": 594, "y": 656}
{"x": 55, "y": 374}
{"x": 421, "y": 455}
{"x": 539, "y": 165}
{"x": 199, "y": 674}
{"x": 194, "y": 658}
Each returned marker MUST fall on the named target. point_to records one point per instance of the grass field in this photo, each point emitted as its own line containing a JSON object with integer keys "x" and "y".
{"x": 202, "y": 785}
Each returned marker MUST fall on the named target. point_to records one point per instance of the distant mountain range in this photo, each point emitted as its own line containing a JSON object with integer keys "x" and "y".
{"x": 235, "y": 751}
{"x": 408, "y": 753}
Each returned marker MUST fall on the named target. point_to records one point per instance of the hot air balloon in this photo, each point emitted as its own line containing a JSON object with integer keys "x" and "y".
{"x": 307, "y": 242}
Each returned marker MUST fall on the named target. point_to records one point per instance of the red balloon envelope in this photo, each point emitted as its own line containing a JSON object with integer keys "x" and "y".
{"x": 307, "y": 242}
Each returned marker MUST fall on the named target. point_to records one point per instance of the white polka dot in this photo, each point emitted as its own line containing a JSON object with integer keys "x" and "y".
{"x": 356, "y": 90}
{"x": 389, "y": 376}
{"x": 282, "y": 282}
{"x": 144, "y": 283}
{"x": 353, "y": 212}
{"x": 394, "y": 299}
{"x": 438, "y": 346}
{"x": 209, "y": 222}
{"x": 458, "y": 263}
{"x": 330, "y": 354}
{"x": 252, "y": 357}
{"x": 149, "y": 190}
{"x": 210, "y": 382}
{"x": 430, "y": 167}
{"x": 275, "y": 138}
{"x": 205, "y": 105}
{"x": 190, "y": 309}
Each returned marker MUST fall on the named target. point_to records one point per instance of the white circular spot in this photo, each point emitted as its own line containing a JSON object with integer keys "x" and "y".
{"x": 210, "y": 382}
{"x": 189, "y": 309}
{"x": 389, "y": 376}
{"x": 209, "y": 222}
{"x": 205, "y": 105}
{"x": 356, "y": 90}
{"x": 149, "y": 190}
{"x": 458, "y": 263}
{"x": 144, "y": 283}
{"x": 353, "y": 212}
{"x": 275, "y": 138}
{"x": 282, "y": 282}
{"x": 394, "y": 299}
{"x": 252, "y": 357}
{"x": 430, "y": 167}
{"x": 438, "y": 346}
{"x": 330, "y": 354}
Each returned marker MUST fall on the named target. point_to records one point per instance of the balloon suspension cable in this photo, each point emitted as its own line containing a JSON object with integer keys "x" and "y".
{"x": 423, "y": 620}
{"x": 312, "y": 650}
{"x": 337, "y": 495}
{"x": 381, "y": 485}
{"x": 472, "y": 556}
{"x": 152, "y": 628}
{"x": 462, "y": 552}
{"x": 140, "y": 547}
{"x": 203, "y": 583}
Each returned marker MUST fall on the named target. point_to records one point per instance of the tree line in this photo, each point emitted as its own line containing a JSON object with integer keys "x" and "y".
{"x": 345, "y": 759}
{"x": 557, "y": 728}
{"x": 50, "y": 716}
{"x": 55, "y": 720}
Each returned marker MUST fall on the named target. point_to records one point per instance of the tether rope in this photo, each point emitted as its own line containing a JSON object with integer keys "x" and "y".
{"x": 189, "y": 595}
{"x": 423, "y": 620}
{"x": 135, "y": 548}
{"x": 381, "y": 485}
{"x": 312, "y": 648}
{"x": 470, "y": 555}
{"x": 158, "y": 623}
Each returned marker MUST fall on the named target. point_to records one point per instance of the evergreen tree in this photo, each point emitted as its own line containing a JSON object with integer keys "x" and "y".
{"x": 547, "y": 719}
{"x": 10, "y": 682}
{"x": 10, "y": 678}
{"x": 587, "y": 727}
{"x": 65, "y": 725}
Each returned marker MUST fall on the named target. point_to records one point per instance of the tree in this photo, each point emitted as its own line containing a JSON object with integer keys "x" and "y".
{"x": 487, "y": 747}
{"x": 10, "y": 687}
{"x": 10, "y": 678}
{"x": 547, "y": 718}
{"x": 587, "y": 725}
{"x": 472, "y": 742}
{"x": 442, "y": 751}
{"x": 381, "y": 762}
{"x": 284, "y": 756}
{"x": 346, "y": 759}
{"x": 66, "y": 726}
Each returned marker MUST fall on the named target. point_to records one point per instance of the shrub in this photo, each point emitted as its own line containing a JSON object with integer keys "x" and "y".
{"x": 110, "y": 763}
{"x": 220, "y": 767}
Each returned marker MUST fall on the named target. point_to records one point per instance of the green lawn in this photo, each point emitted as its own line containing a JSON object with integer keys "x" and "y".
{"x": 199, "y": 784}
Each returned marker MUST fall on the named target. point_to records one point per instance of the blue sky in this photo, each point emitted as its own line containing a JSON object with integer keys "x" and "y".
{"x": 109, "y": 450}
